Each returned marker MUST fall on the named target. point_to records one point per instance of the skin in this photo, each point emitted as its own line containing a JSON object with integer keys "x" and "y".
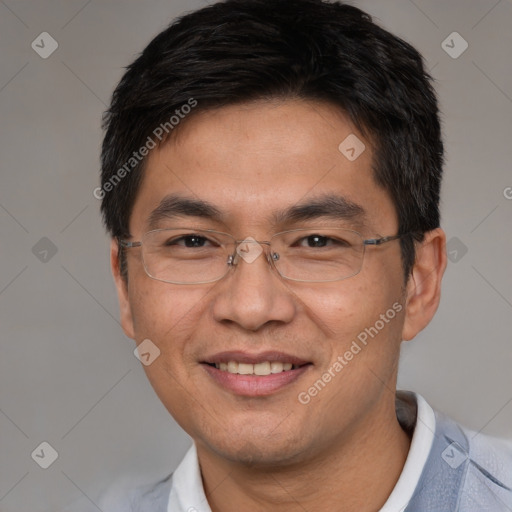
{"x": 274, "y": 453}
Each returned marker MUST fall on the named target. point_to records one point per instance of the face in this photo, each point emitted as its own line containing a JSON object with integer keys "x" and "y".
{"x": 253, "y": 163}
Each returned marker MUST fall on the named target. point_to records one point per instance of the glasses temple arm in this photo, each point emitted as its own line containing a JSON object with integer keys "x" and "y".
{"x": 128, "y": 245}
{"x": 383, "y": 240}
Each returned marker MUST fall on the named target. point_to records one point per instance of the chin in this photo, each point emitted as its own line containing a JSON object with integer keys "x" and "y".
{"x": 259, "y": 449}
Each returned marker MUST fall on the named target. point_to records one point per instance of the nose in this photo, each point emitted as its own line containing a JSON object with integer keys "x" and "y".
{"x": 253, "y": 294}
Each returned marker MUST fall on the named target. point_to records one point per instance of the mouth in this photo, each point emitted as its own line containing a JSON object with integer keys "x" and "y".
{"x": 261, "y": 369}
{"x": 254, "y": 375}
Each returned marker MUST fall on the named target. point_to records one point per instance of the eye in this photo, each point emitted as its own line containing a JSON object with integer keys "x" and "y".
{"x": 314, "y": 241}
{"x": 319, "y": 241}
{"x": 189, "y": 241}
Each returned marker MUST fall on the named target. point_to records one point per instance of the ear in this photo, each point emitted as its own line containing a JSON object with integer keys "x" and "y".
{"x": 423, "y": 290}
{"x": 122, "y": 291}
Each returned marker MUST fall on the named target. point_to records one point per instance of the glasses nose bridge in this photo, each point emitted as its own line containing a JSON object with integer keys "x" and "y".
{"x": 240, "y": 253}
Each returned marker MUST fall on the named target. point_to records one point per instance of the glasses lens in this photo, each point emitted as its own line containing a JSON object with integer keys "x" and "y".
{"x": 319, "y": 254}
{"x": 186, "y": 256}
{"x": 193, "y": 256}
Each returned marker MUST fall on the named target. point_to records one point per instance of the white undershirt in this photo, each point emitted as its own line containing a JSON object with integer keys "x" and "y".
{"x": 187, "y": 493}
{"x": 421, "y": 443}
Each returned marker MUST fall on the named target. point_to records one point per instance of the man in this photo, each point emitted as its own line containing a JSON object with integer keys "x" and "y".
{"x": 270, "y": 179}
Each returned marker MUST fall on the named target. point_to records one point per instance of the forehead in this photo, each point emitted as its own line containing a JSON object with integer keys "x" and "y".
{"x": 252, "y": 161}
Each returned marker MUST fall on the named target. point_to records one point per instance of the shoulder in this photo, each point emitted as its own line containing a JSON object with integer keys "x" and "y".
{"x": 127, "y": 496}
{"x": 484, "y": 464}
{"x": 492, "y": 453}
{"x": 489, "y": 467}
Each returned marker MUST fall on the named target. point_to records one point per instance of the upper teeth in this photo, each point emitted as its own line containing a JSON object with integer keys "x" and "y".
{"x": 265, "y": 368}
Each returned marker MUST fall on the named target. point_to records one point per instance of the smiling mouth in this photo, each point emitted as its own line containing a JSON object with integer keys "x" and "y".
{"x": 258, "y": 369}
{"x": 255, "y": 375}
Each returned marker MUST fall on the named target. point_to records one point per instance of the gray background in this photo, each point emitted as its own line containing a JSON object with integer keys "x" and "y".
{"x": 68, "y": 375}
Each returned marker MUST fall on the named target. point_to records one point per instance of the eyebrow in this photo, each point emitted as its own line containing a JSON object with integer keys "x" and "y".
{"x": 327, "y": 206}
{"x": 178, "y": 206}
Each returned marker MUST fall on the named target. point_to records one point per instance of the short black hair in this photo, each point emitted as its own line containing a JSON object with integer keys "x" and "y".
{"x": 237, "y": 51}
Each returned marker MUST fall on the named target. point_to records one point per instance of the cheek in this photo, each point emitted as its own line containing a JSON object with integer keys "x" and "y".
{"x": 339, "y": 308}
{"x": 356, "y": 309}
{"x": 169, "y": 317}
{"x": 165, "y": 313}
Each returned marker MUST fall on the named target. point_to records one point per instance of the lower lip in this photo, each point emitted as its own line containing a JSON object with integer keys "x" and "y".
{"x": 255, "y": 385}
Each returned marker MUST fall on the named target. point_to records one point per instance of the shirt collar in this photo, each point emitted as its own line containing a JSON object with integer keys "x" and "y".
{"x": 423, "y": 425}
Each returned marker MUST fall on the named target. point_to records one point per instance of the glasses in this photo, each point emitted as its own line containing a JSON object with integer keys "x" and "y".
{"x": 195, "y": 256}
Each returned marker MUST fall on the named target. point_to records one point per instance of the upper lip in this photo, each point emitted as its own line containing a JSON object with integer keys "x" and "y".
{"x": 245, "y": 357}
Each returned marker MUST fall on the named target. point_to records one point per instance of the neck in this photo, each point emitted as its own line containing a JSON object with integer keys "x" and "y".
{"x": 372, "y": 456}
